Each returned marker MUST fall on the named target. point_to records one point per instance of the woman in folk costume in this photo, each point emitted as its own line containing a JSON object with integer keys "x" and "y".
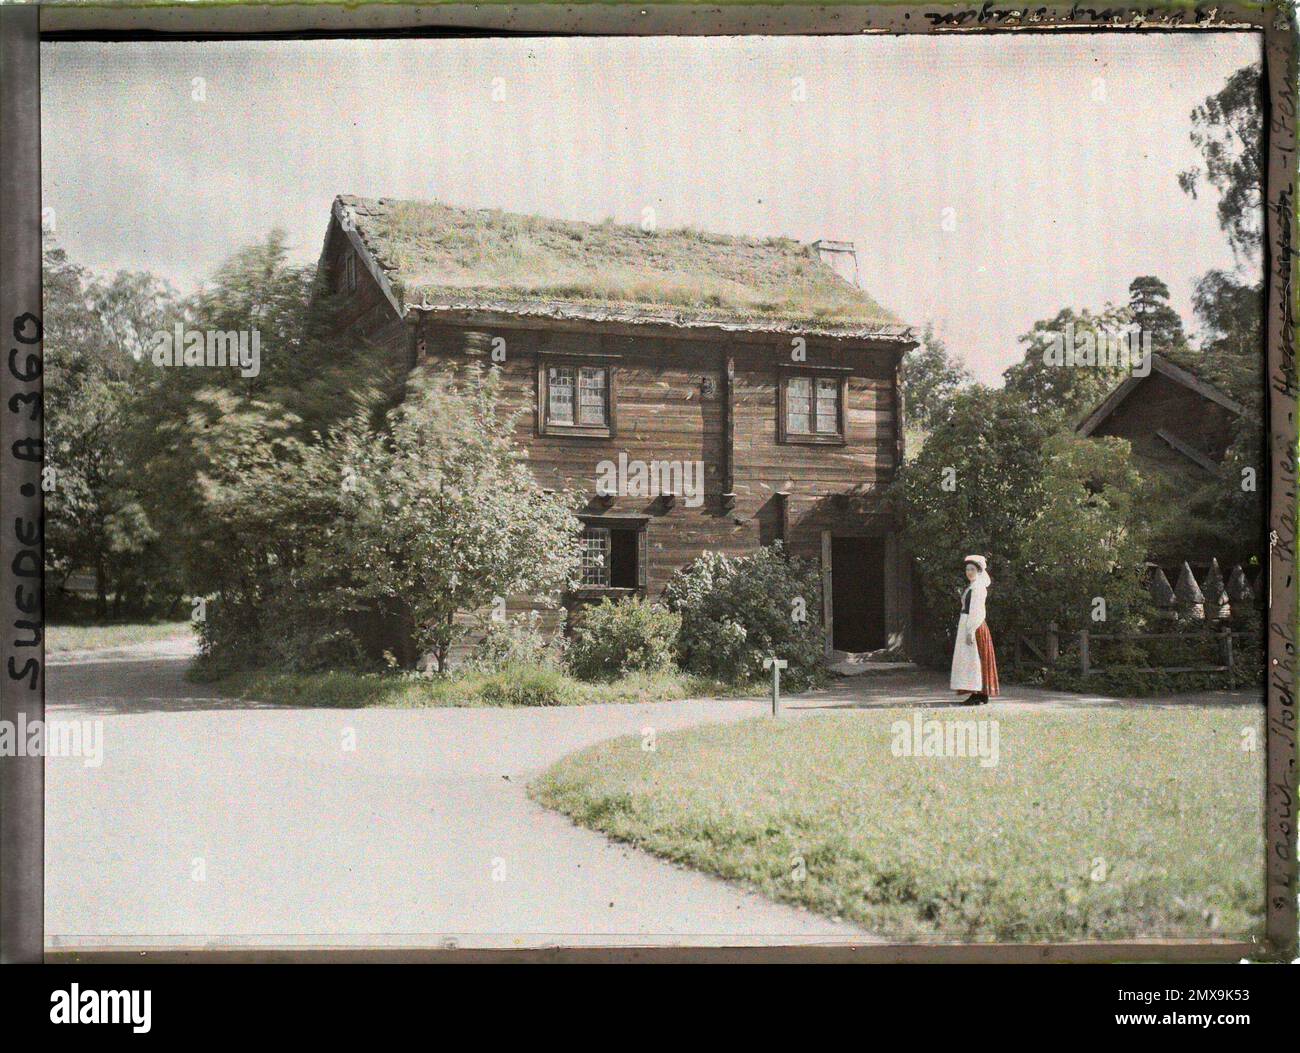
{"x": 974, "y": 665}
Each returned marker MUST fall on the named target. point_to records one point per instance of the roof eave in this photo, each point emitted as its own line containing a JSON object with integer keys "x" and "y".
{"x": 348, "y": 227}
{"x": 891, "y": 333}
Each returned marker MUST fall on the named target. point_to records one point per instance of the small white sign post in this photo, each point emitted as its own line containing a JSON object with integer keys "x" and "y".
{"x": 776, "y": 665}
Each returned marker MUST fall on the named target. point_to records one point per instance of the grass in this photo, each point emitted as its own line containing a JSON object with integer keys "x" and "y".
{"x": 441, "y": 251}
{"x": 519, "y": 686}
{"x": 1097, "y": 823}
{"x": 62, "y": 638}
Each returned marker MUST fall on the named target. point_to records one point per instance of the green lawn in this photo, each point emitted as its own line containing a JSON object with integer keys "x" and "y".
{"x": 1096, "y": 823}
{"x": 59, "y": 638}
{"x": 526, "y": 686}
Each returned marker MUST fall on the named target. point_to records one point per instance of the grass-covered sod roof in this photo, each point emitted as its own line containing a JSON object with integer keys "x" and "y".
{"x": 439, "y": 256}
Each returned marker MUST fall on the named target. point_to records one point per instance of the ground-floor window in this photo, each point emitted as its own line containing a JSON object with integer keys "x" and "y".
{"x": 611, "y": 557}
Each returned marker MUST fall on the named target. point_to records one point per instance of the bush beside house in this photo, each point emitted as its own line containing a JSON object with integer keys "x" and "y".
{"x": 738, "y": 610}
{"x": 615, "y": 639}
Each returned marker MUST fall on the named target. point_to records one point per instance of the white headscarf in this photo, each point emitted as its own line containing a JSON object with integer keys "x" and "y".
{"x": 982, "y": 578}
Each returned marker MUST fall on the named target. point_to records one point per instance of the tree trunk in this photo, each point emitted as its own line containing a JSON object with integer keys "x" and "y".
{"x": 101, "y": 589}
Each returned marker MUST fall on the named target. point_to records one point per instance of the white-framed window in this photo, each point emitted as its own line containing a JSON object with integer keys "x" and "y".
{"x": 595, "y": 557}
{"x": 826, "y": 416}
{"x": 592, "y": 385}
{"x": 812, "y": 407}
{"x": 577, "y": 396}
{"x": 798, "y": 397}
{"x": 613, "y": 555}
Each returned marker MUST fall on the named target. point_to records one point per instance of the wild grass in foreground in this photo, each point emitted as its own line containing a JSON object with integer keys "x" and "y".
{"x": 512, "y": 686}
{"x": 61, "y": 638}
{"x": 1096, "y": 823}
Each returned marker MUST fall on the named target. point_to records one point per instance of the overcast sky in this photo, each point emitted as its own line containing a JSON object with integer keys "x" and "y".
{"x": 1057, "y": 155}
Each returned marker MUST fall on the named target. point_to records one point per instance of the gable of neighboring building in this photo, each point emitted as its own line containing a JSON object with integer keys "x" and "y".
{"x": 1171, "y": 417}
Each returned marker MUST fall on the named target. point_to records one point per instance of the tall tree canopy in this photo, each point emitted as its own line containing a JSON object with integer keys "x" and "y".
{"x": 96, "y": 335}
{"x": 1148, "y": 305}
{"x": 1228, "y": 129}
{"x": 1061, "y": 391}
{"x": 931, "y": 376}
{"x": 327, "y": 552}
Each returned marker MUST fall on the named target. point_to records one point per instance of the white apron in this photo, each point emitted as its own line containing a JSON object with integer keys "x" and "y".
{"x": 966, "y": 672}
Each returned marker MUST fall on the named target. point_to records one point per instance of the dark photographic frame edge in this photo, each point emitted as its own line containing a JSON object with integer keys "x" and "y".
{"x": 22, "y": 778}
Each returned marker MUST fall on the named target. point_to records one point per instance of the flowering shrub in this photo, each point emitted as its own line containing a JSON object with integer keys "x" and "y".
{"x": 614, "y": 639}
{"x": 737, "y": 611}
{"x": 517, "y": 641}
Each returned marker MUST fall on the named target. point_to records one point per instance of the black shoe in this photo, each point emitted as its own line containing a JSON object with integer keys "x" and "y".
{"x": 973, "y": 699}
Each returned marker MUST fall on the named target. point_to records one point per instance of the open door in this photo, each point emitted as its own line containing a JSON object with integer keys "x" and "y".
{"x": 858, "y": 593}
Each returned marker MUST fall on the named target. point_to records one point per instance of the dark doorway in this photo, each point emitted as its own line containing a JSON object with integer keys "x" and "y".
{"x": 858, "y": 593}
{"x": 622, "y": 559}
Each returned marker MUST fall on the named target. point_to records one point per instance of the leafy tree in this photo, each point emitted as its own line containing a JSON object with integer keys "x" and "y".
{"x": 256, "y": 289}
{"x": 1227, "y": 512}
{"x": 972, "y": 488}
{"x": 1231, "y": 314}
{"x": 1087, "y": 538}
{"x": 738, "y": 610}
{"x": 263, "y": 500}
{"x": 1149, "y": 307}
{"x": 95, "y": 334}
{"x": 1057, "y": 515}
{"x": 312, "y": 363}
{"x": 375, "y": 541}
{"x": 1055, "y": 388}
{"x": 930, "y": 377}
{"x": 312, "y": 375}
{"x": 1228, "y": 129}
{"x": 442, "y": 514}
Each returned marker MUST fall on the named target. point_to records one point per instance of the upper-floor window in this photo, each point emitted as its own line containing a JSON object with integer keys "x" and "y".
{"x": 575, "y": 399}
{"x": 812, "y": 407}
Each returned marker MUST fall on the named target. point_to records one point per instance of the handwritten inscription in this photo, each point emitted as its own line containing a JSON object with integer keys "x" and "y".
{"x": 990, "y": 14}
{"x": 24, "y": 366}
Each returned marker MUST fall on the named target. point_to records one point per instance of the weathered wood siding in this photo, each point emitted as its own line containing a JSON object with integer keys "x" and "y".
{"x": 365, "y": 313}
{"x": 669, "y": 406}
{"x": 1163, "y": 404}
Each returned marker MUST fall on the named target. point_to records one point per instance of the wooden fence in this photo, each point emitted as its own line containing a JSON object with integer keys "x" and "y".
{"x": 1049, "y": 654}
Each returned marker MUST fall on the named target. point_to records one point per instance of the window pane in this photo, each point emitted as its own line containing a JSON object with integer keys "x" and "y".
{"x": 559, "y": 384}
{"x": 828, "y": 405}
{"x": 595, "y": 556}
{"x": 591, "y": 406}
{"x": 798, "y": 405}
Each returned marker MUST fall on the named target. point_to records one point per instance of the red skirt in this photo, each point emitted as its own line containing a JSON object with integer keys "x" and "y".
{"x": 988, "y": 660}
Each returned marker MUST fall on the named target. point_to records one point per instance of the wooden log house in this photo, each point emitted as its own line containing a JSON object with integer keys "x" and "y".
{"x": 751, "y": 359}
